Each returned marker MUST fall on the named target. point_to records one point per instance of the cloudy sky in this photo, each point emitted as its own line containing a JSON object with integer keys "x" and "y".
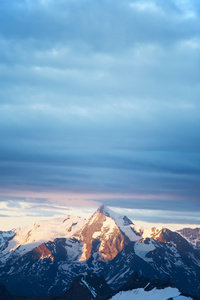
{"x": 100, "y": 103}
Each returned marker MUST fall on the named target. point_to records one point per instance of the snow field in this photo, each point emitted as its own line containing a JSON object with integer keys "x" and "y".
{"x": 155, "y": 294}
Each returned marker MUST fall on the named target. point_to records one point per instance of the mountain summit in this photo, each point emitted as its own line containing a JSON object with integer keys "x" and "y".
{"x": 105, "y": 233}
{"x": 44, "y": 258}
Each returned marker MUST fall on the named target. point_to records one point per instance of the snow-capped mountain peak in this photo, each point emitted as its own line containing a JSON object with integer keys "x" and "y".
{"x": 110, "y": 230}
{"x": 108, "y": 244}
{"x": 124, "y": 223}
{"x": 115, "y": 216}
{"x": 104, "y": 210}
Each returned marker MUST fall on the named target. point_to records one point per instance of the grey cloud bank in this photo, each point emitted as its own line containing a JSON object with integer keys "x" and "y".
{"x": 99, "y": 99}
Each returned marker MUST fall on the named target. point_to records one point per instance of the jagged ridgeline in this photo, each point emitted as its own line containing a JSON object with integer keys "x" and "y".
{"x": 45, "y": 258}
{"x": 93, "y": 287}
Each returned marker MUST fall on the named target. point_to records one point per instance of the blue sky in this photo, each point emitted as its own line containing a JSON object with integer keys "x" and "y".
{"x": 99, "y": 103}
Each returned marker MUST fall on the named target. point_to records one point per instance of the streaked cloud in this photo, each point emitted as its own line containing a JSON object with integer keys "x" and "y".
{"x": 99, "y": 102}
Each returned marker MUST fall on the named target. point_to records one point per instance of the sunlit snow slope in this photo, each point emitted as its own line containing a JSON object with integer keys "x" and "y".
{"x": 41, "y": 232}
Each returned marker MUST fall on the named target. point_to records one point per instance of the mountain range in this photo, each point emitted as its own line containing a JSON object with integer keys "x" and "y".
{"x": 44, "y": 259}
{"x": 191, "y": 235}
{"x": 93, "y": 287}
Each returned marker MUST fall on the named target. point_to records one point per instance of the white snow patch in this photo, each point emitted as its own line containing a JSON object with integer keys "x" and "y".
{"x": 74, "y": 250}
{"x": 141, "y": 294}
{"x": 96, "y": 234}
{"x": 141, "y": 249}
{"x": 148, "y": 232}
{"x": 174, "y": 251}
{"x": 84, "y": 250}
{"x": 108, "y": 226}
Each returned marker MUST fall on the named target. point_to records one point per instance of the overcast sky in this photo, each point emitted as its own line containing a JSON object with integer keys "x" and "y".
{"x": 100, "y": 103}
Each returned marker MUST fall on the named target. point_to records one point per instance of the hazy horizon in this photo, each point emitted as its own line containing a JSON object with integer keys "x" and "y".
{"x": 135, "y": 216}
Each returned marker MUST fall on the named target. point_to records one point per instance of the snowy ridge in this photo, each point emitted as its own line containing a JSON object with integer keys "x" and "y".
{"x": 41, "y": 232}
{"x": 155, "y": 294}
{"x": 150, "y": 232}
{"x": 141, "y": 249}
{"x": 125, "y": 225}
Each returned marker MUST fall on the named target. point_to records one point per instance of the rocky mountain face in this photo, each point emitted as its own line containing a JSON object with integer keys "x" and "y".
{"x": 105, "y": 234}
{"x": 161, "y": 260}
{"x": 191, "y": 235}
{"x": 44, "y": 259}
{"x": 137, "y": 281}
{"x": 87, "y": 287}
{"x": 93, "y": 287}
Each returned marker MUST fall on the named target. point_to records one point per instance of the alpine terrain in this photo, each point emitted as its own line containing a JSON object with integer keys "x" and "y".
{"x": 192, "y": 236}
{"x": 52, "y": 257}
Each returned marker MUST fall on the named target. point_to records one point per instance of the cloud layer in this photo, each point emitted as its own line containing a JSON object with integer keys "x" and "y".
{"x": 99, "y": 102}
